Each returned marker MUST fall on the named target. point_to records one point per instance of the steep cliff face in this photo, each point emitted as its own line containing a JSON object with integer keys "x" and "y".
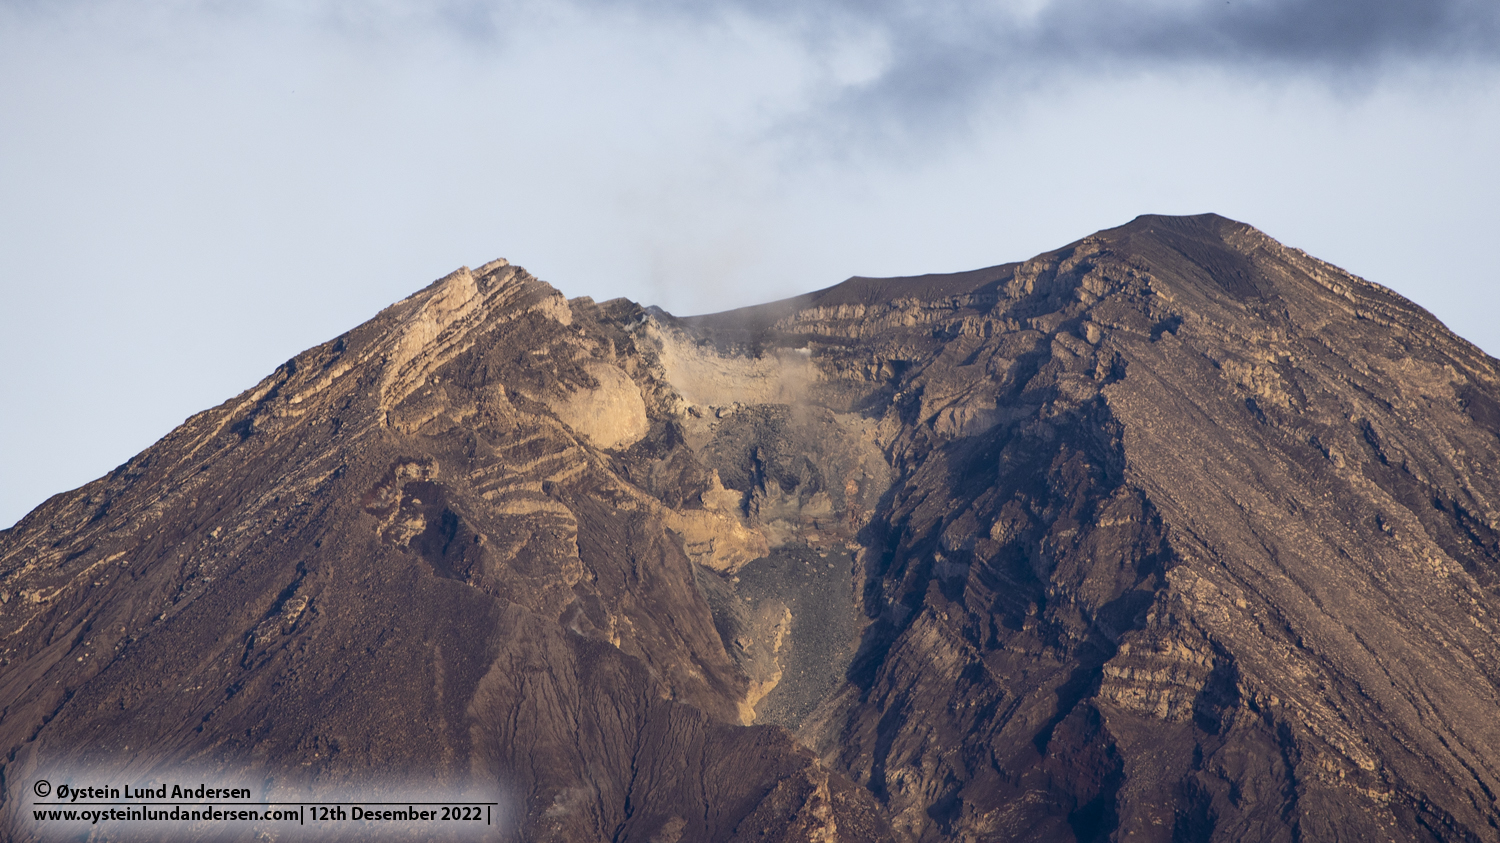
{"x": 1172, "y": 534}
{"x": 1194, "y": 537}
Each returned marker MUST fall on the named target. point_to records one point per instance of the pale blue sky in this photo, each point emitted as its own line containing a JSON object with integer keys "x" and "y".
{"x": 193, "y": 192}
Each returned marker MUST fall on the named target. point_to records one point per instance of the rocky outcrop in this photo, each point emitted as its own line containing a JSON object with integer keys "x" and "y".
{"x": 1172, "y": 534}
{"x": 1194, "y": 539}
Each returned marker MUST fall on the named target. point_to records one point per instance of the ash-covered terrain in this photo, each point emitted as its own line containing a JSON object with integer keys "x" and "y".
{"x": 1172, "y": 534}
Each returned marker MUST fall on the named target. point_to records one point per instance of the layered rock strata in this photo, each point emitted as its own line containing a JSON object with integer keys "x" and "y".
{"x": 1172, "y": 534}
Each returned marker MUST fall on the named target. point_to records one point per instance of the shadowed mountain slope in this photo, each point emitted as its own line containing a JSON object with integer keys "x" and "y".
{"x": 1172, "y": 534}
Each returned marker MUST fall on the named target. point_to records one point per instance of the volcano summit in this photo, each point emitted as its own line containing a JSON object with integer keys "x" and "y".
{"x": 1172, "y": 534}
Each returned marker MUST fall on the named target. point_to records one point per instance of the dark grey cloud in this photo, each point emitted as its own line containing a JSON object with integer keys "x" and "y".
{"x": 940, "y": 60}
{"x": 1324, "y": 34}
{"x": 1315, "y": 33}
{"x": 946, "y": 53}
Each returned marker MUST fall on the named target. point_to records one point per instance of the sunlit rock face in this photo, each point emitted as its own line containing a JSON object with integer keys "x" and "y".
{"x": 1172, "y": 534}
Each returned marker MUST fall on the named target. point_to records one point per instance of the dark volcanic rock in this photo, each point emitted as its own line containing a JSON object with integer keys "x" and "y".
{"x": 1172, "y": 534}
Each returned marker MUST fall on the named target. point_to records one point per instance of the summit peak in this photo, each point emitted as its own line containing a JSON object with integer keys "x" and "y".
{"x": 1171, "y": 533}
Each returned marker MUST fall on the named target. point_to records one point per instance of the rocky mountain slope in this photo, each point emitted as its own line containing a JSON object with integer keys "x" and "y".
{"x": 1173, "y": 534}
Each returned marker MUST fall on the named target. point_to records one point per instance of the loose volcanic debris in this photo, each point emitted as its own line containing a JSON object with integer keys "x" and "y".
{"x": 1172, "y": 534}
